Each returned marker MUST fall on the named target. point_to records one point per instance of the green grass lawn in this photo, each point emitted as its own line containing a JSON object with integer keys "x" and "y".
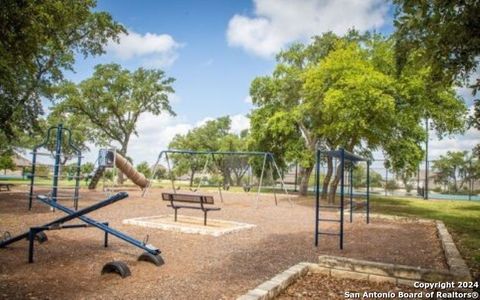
{"x": 462, "y": 219}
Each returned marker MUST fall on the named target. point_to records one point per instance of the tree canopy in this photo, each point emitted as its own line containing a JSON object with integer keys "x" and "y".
{"x": 39, "y": 41}
{"x": 214, "y": 135}
{"x": 113, "y": 99}
{"x": 346, "y": 92}
{"x": 455, "y": 169}
{"x": 445, "y": 33}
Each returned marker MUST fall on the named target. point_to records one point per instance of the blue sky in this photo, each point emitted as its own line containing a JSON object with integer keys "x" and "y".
{"x": 215, "y": 49}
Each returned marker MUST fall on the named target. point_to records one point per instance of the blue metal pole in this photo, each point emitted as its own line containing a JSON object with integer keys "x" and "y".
{"x": 73, "y": 215}
{"x": 32, "y": 178}
{"x": 317, "y": 194}
{"x": 351, "y": 192}
{"x": 77, "y": 182}
{"x": 368, "y": 191}
{"x": 149, "y": 248}
{"x": 342, "y": 185}
{"x": 56, "y": 167}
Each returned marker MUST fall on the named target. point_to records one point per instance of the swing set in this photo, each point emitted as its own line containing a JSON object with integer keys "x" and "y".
{"x": 213, "y": 159}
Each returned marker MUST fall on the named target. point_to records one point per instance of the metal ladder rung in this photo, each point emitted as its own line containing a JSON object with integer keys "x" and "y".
{"x": 329, "y": 233}
{"x": 329, "y": 220}
{"x": 329, "y": 206}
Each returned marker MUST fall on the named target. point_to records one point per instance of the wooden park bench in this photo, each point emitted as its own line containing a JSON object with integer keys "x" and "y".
{"x": 188, "y": 198}
{"x": 6, "y": 186}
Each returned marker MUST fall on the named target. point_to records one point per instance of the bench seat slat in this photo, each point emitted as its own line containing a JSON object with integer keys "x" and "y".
{"x": 188, "y": 198}
{"x": 196, "y": 207}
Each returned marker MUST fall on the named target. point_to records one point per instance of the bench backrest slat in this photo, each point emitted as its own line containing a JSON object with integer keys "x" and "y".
{"x": 188, "y": 198}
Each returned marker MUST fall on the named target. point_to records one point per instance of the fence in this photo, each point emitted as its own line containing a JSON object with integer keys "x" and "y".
{"x": 385, "y": 182}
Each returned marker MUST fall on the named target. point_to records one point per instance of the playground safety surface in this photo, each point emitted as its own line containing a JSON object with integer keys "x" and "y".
{"x": 68, "y": 265}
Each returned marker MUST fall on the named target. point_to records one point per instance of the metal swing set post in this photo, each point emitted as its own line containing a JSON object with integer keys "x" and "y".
{"x": 267, "y": 157}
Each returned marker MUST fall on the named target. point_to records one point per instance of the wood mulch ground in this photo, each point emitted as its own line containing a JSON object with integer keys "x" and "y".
{"x": 319, "y": 286}
{"x": 197, "y": 267}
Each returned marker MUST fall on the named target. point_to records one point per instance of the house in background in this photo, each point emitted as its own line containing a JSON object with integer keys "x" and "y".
{"x": 20, "y": 163}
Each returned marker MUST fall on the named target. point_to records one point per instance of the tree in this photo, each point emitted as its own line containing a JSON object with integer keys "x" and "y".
{"x": 160, "y": 172}
{"x": 356, "y": 101}
{"x": 445, "y": 32}
{"x": 391, "y": 185}
{"x": 6, "y": 162}
{"x": 359, "y": 175}
{"x": 346, "y": 92}
{"x": 87, "y": 168}
{"x": 77, "y": 137}
{"x": 207, "y": 137}
{"x": 475, "y": 122}
{"x": 451, "y": 168}
{"x": 144, "y": 168}
{"x": 282, "y": 122}
{"x": 113, "y": 99}
{"x": 39, "y": 41}
{"x": 444, "y": 36}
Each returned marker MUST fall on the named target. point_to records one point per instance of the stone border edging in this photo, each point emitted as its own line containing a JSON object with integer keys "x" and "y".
{"x": 350, "y": 268}
{"x": 344, "y": 267}
{"x": 455, "y": 262}
{"x": 397, "y": 218}
{"x": 276, "y": 285}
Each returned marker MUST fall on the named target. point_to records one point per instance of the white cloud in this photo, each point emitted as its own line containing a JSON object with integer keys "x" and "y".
{"x": 248, "y": 99}
{"x": 279, "y": 22}
{"x": 239, "y": 123}
{"x": 203, "y": 121}
{"x": 153, "y": 50}
{"x": 154, "y": 135}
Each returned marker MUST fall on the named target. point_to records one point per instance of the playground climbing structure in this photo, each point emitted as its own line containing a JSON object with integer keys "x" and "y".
{"x": 111, "y": 159}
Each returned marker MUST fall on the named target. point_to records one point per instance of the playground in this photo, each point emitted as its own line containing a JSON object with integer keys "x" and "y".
{"x": 196, "y": 266}
{"x": 248, "y": 150}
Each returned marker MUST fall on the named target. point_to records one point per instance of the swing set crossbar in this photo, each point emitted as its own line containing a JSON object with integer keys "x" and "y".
{"x": 267, "y": 156}
{"x": 258, "y": 153}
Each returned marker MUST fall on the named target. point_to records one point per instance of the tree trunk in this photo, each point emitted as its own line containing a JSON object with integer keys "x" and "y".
{"x": 328, "y": 176}
{"x": 122, "y": 152}
{"x": 304, "y": 178}
{"x": 192, "y": 175}
{"x": 334, "y": 184}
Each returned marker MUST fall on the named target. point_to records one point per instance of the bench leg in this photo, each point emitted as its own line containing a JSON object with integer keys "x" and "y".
{"x": 176, "y": 214}
{"x": 205, "y": 218}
